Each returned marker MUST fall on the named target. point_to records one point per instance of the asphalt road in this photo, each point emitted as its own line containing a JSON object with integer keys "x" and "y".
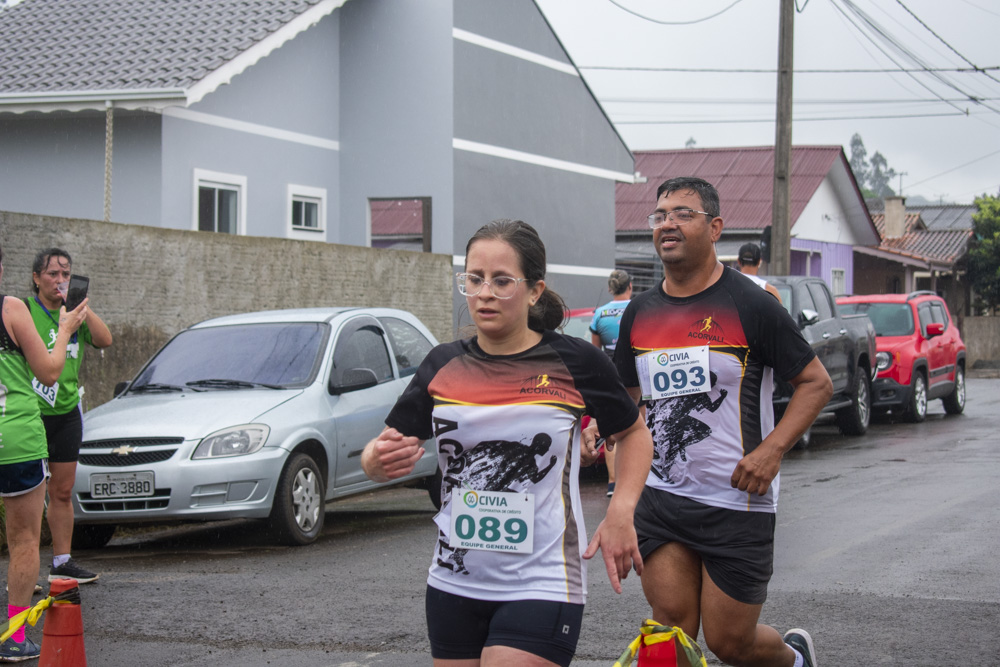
{"x": 886, "y": 552}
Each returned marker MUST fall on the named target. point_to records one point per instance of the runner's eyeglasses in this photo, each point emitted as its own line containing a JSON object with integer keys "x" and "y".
{"x": 680, "y": 216}
{"x": 502, "y": 287}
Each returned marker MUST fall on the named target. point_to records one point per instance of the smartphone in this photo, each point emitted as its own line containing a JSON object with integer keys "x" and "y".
{"x": 77, "y": 292}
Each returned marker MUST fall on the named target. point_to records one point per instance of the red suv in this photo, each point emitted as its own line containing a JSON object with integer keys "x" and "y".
{"x": 920, "y": 356}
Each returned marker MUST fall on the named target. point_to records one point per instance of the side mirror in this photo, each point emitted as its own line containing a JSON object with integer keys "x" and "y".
{"x": 120, "y": 387}
{"x": 354, "y": 379}
{"x": 935, "y": 329}
{"x": 808, "y": 316}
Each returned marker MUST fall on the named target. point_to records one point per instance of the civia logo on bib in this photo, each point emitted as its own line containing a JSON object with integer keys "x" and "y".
{"x": 470, "y": 498}
{"x": 663, "y": 359}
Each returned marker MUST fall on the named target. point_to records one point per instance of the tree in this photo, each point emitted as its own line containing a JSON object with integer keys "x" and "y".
{"x": 984, "y": 253}
{"x": 859, "y": 160}
{"x": 881, "y": 174}
{"x": 873, "y": 177}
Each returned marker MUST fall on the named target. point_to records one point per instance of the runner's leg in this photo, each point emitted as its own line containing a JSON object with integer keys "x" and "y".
{"x": 672, "y": 581}
{"x": 60, "y": 512}
{"x": 24, "y": 527}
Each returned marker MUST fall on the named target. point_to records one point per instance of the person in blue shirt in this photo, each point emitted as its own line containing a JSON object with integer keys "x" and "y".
{"x": 604, "y": 334}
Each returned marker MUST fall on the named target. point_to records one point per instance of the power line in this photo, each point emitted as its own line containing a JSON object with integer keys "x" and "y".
{"x": 941, "y": 39}
{"x": 648, "y": 18}
{"x": 701, "y": 121}
{"x": 736, "y": 100}
{"x": 724, "y": 70}
{"x": 948, "y": 171}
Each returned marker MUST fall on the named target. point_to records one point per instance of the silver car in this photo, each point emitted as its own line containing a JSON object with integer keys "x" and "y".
{"x": 262, "y": 416}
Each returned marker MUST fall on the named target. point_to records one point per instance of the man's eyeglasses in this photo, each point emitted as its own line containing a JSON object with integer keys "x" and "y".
{"x": 680, "y": 216}
{"x": 502, "y": 287}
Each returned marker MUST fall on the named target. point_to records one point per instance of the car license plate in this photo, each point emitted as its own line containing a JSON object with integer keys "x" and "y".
{"x": 121, "y": 485}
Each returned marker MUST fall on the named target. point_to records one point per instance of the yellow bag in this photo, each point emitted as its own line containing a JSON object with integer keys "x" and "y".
{"x": 662, "y": 646}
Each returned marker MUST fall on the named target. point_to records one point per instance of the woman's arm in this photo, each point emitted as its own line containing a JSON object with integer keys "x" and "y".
{"x": 391, "y": 455}
{"x": 45, "y": 365}
{"x": 100, "y": 334}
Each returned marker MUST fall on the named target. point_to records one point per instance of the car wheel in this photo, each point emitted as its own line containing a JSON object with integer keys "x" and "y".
{"x": 299, "y": 502}
{"x": 854, "y": 419}
{"x": 954, "y": 402}
{"x": 434, "y": 488}
{"x": 916, "y": 411}
{"x": 93, "y": 535}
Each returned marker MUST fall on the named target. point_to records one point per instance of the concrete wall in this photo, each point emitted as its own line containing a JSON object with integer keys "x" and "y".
{"x": 149, "y": 283}
{"x": 982, "y": 339}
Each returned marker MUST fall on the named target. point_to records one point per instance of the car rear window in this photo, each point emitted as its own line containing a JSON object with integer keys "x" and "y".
{"x": 284, "y": 354}
{"x": 889, "y": 319}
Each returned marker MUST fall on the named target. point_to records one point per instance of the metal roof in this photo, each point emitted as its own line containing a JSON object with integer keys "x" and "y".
{"x": 743, "y": 177}
{"x": 72, "y": 55}
{"x": 954, "y": 216}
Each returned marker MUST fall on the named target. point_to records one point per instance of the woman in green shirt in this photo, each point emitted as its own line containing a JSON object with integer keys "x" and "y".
{"x": 23, "y": 452}
{"x": 60, "y": 403}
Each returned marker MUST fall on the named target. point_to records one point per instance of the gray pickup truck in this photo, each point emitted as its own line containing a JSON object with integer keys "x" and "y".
{"x": 844, "y": 343}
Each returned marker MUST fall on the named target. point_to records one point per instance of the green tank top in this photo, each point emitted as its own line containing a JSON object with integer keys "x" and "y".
{"x": 64, "y": 395}
{"x": 22, "y": 436}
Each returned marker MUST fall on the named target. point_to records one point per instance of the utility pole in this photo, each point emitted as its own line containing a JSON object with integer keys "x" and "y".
{"x": 781, "y": 199}
{"x": 901, "y": 174}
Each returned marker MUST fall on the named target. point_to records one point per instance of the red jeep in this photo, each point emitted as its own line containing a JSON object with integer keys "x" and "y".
{"x": 920, "y": 356}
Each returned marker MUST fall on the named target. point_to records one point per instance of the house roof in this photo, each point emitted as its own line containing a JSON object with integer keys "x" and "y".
{"x": 744, "y": 178}
{"x": 397, "y": 217}
{"x": 952, "y": 216}
{"x": 138, "y": 53}
{"x": 935, "y": 246}
{"x": 911, "y": 223}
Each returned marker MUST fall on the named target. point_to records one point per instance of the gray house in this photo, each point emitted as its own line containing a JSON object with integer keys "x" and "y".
{"x": 294, "y": 118}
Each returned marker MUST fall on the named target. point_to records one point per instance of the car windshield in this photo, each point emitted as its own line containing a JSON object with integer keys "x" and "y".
{"x": 236, "y": 357}
{"x": 889, "y": 319}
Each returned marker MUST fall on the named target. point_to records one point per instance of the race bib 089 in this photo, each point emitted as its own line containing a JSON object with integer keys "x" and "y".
{"x": 673, "y": 372}
{"x": 492, "y": 521}
{"x": 48, "y": 394}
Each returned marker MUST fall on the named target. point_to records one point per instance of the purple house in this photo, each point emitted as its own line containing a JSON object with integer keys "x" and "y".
{"x": 828, "y": 216}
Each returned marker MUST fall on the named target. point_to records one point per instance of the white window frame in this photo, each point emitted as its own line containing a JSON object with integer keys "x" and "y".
{"x": 218, "y": 179}
{"x": 306, "y": 193}
{"x": 838, "y": 276}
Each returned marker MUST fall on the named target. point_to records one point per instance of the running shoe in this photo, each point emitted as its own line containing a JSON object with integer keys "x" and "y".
{"x": 70, "y": 570}
{"x": 803, "y": 643}
{"x": 11, "y": 651}
{"x": 611, "y": 489}
{"x": 38, "y": 589}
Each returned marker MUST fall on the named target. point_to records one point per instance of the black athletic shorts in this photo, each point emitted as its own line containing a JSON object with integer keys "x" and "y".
{"x": 460, "y": 627}
{"x": 737, "y": 548}
{"x": 64, "y": 434}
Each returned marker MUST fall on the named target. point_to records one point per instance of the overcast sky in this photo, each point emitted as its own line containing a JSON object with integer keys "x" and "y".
{"x": 949, "y": 146}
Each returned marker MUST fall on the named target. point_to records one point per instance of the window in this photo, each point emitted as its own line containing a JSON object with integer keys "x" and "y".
{"x": 838, "y": 280}
{"x": 924, "y": 313}
{"x": 821, "y": 299}
{"x": 219, "y": 202}
{"x": 306, "y": 212}
{"x": 937, "y": 312}
{"x": 409, "y": 344}
{"x": 361, "y": 346}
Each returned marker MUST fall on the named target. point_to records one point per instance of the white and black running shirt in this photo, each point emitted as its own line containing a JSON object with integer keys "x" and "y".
{"x": 699, "y": 438}
{"x": 512, "y": 423}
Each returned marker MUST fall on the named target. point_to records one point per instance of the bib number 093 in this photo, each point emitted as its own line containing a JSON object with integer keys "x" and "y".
{"x": 679, "y": 379}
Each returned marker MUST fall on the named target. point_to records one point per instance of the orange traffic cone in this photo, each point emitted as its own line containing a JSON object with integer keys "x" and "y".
{"x": 62, "y": 634}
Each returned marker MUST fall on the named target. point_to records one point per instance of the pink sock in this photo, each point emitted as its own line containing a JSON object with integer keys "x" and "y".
{"x": 13, "y": 611}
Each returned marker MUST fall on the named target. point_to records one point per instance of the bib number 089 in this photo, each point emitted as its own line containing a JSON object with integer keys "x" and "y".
{"x": 514, "y": 530}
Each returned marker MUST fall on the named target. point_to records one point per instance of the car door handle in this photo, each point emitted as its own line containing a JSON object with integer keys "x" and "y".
{"x": 826, "y": 334}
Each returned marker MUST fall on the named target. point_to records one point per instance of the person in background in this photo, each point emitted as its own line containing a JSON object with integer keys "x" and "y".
{"x": 703, "y": 350}
{"x": 749, "y": 261}
{"x": 60, "y": 403}
{"x": 506, "y": 408}
{"x": 604, "y": 334}
{"x": 23, "y": 464}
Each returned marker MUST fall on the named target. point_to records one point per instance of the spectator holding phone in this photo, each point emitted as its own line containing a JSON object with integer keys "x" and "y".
{"x": 60, "y": 403}
{"x": 23, "y": 465}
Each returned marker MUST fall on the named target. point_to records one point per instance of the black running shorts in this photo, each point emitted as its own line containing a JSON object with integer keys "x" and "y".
{"x": 736, "y": 548}
{"x": 460, "y": 627}
{"x": 64, "y": 434}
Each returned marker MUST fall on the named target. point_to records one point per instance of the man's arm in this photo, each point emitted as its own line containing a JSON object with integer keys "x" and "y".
{"x": 813, "y": 389}
{"x": 773, "y": 291}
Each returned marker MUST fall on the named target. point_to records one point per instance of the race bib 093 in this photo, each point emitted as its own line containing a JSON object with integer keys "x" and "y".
{"x": 673, "y": 372}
